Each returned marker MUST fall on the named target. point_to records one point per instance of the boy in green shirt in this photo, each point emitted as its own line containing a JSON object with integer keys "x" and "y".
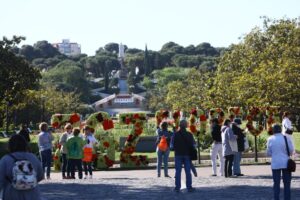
{"x": 75, "y": 153}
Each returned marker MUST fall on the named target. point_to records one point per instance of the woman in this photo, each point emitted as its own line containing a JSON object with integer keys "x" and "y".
{"x": 287, "y": 128}
{"x": 276, "y": 148}
{"x": 45, "y": 147}
{"x": 228, "y": 154}
{"x": 62, "y": 141}
{"x": 163, "y": 134}
{"x": 17, "y": 146}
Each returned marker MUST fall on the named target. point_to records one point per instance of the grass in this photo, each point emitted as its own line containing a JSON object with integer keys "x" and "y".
{"x": 297, "y": 140}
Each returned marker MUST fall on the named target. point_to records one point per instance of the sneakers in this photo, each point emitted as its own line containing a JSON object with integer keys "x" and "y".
{"x": 158, "y": 175}
{"x": 213, "y": 175}
{"x": 239, "y": 174}
{"x": 191, "y": 190}
{"x": 167, "y": 176}
{"x": 176, "y": 190}
{"x": 90, "y": 176}
{"x": 195, "y": 174}
{"x": 85, "y": 177}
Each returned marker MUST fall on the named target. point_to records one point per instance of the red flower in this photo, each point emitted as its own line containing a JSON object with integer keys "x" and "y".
{"x": 127, "y": 120}
{"x": 106, "y": 144}
{"x": 138, "y": 131}
{"x": 55, "y": 124}
{"x": 74, "y": 118}
{"x": 136, "y": 116}
{"x": 193, "y": 128}
{"x": 202, "y": 118}
{"x": 176, "y": 114}
{"x": 194, "y": 112}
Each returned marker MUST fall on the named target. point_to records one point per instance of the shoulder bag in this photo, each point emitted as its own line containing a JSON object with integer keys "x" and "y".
{"x": 291, "y": 165}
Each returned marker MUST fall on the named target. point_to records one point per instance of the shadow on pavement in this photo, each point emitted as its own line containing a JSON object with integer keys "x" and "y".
{"x": 68, "y": 191}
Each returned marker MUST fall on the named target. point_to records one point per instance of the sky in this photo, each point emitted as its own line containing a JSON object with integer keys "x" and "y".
{"x": 135, "y": 23}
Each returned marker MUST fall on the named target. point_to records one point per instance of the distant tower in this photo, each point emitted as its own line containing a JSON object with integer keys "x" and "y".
{"x": 123, "y": 72}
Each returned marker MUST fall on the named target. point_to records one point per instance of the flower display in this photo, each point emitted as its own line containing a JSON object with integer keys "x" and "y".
{"x": 235, "y": 112}
{"x": 253, "y": 114}
{"x": 176, "y": 117}
{"x": 160, "y": 116}
{"x": 98, "y": 118}
{"x": 272, "y": 113}
{"x": 194, "y": 114}
{"x": 217, "y": 113}
{"x": 106, "y": 153}
{"x": 59, "y": 120}
{"x": 127, "y": 160}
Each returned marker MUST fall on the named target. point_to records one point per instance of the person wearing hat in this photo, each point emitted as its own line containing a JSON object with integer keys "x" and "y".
{"x": 276, "y": 148}
{"x": 240, "y": 143}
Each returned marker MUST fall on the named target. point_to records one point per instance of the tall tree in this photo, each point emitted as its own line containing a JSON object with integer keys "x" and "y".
{"x": 147, "y": 66}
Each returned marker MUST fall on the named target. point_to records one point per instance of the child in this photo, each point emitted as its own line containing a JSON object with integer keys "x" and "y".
{"x": 75, "y": 153}
{"x": 87, "y": 159}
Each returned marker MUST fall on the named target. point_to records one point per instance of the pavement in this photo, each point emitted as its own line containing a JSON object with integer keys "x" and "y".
{"x": 144, "y": 184}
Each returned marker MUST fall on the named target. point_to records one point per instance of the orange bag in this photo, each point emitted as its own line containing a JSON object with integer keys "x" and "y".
{"x": 163, "y": 145}
{"x": 87, "y": 154}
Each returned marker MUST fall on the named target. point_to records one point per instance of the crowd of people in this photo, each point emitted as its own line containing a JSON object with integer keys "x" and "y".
{"x": 229, "y": 141}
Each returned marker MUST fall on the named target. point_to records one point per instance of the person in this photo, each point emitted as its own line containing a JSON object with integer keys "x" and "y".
{"x": 88, "y": 151}
{"x": 240, "y": 144}
{"x": 63, "y": 149}
{"x": 17, "y": 146}
{"x": 75, "y": 153}
{"x": 276, "y": 148}
{"x": 227, "y": 137}
{"x": 24, "y": 132}
{"x": 182, "y": 141}
{"x": 287, "y": 128}
{"x": 163, "y": 154}
{"x": 45, "y": 147}
{"x": 216, "y": 149}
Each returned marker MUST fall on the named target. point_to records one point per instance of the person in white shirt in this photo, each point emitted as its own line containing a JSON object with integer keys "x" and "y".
{"x": 276, "y": 148}
{"x": 287, "y": 128}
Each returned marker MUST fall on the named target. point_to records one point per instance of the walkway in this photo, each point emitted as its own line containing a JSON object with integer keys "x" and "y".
{"x": 143, "y": 184}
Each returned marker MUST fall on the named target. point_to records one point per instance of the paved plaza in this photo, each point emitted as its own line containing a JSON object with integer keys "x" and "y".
{"x": 143, "y": 184}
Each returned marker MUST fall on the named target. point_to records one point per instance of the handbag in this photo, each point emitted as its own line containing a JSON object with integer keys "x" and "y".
{"x": 291, "y": 164}
{"x": 163, "y": 145}
{"x": 288, "y": 131}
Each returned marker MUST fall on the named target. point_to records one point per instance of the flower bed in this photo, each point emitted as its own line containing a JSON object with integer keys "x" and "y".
{"x": 59, "y": 120}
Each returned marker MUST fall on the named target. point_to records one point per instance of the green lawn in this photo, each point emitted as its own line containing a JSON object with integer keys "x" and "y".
{"x": 297, "y": 140}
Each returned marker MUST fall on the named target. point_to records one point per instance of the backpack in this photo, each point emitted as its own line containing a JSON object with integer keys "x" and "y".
{"x": 24, "y": 176}
{"x": 163, "y": 145}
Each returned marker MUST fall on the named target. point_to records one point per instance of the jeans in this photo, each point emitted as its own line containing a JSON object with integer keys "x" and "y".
{"x": 237, "y": 163}
{"x": 161, "y": 154}
{"x": 216, "y": 150}
{"x": 64, "y": 167}
{"x": 87, "y": 166}
{"x": 286, "y": 177}
{"x": 193, "y": 169}
{"x": 46, "y": 158}
{"x": 228, "y": 165}
{"x": 78, "y": 164}
{"x": 179, "y": 160}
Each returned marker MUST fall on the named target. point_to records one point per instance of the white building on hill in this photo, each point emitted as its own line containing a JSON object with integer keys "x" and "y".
{"x": 68, "y": 48}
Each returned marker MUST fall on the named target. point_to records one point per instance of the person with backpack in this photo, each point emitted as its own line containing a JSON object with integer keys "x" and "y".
{"x": 16, "y": 163}
{"x": 75, "y": 153}
{"x": 163, "y": 147}
{"x": 45, "y": 147}
{"x": 88, "y": 151}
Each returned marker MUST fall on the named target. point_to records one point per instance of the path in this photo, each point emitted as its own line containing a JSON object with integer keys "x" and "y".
{"x": 143, "y": 184}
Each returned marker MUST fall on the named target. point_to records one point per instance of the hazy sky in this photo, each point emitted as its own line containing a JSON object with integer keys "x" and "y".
{"x": 94, "y": 23}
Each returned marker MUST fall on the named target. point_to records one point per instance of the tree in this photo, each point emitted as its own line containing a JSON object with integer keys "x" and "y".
{"x": 147, "y": 66}
{"x": 263, "y": 69}
{"x": 112, "y": 47}
{"x": 16, "y": 75}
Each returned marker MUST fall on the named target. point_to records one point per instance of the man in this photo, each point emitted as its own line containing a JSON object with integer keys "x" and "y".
{"x": 216, "y": 149}
{"x": 182, "y": 142}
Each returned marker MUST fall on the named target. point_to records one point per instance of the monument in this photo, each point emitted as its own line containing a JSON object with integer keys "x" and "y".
{"x": 123, "y": 101}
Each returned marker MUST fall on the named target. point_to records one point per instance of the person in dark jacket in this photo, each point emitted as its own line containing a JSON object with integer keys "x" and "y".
{"x": 24, "y": 132}
{"x": 240, "y": 143}
{"x": 216, "y": 149}
{"x": 181, "y": 143}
